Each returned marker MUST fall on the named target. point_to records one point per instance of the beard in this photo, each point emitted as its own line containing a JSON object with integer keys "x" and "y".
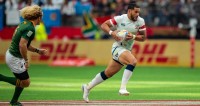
{"x": 134, "y": 18}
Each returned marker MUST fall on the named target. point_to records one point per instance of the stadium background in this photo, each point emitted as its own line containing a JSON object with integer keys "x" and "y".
{"x": 168, "y": 62}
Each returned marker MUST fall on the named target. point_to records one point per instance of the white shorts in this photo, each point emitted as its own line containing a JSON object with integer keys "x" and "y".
{"x": 117, "y": 51}
{"x": 16, "y": 65}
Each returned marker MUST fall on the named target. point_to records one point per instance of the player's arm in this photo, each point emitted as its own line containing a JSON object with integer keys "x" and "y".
{"x": 23, "y": 48}
{"x": 141, "y": 36}
{"x": 39, "y": 51}
{"x": 106, "y": 27}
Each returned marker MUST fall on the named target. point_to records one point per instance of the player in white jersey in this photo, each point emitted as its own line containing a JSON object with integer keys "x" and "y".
{"x": 121, "y": 51}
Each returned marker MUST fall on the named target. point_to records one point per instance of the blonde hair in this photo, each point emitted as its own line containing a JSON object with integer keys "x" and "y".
{"x": 31, "y": 12}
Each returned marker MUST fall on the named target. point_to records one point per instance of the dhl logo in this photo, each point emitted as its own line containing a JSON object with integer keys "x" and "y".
{"x": 58, "y": 51}
{"x": 153, "y": 53}
{"x": 147, "y": 53}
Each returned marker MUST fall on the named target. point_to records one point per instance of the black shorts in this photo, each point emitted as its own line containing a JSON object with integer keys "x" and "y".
{"x": 22, "y": 76}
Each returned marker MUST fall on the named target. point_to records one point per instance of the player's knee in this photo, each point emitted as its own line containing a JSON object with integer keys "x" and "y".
{"x": 133, "y": 62}
{"x": 25, "y": 83}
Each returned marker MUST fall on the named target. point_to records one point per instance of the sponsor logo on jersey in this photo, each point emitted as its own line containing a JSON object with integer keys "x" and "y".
{"x": 29, "y": 33}
{"x": 123, "y": 24}
{"x": 137, "y": 26}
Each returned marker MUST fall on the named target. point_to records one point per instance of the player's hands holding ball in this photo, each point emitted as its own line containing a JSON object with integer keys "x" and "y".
{"x": 130, "y": 36}
{"x": 122, "y": 35}
{"x": 115, "y": 36}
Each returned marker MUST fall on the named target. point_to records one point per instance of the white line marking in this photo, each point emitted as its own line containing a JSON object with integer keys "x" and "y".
{"x": 111, "y": 103}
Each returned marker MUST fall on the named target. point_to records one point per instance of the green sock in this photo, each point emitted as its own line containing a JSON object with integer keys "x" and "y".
{"x": 18, "y": 91}
{"x": 11, "y": 80}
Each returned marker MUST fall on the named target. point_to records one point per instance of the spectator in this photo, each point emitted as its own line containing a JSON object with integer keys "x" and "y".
{"x": 24, "y": 3}
{"x": 3, "y": 7}
{"x": 144, "y": 11}
{"x": 50, "y": 5}
{"x": 67, "y": 8}
{"x": 119, "y": 7}
{"x": 12, "y": 13}
{"x": 104, "y": 8}
{"x": 40, "y": 2}
{"x": 197, "y": 10}
{"x": 11, "y": 4}
{"x": 58, "y": 3}
{"x": 174, "y": 11}
{"x": 82, "y": 7}
{"x": 68, "y": 12}
{"x": 162, "y": 12}
{"x": 187, "y": 11}
{"x": 40, "y": 32}
{"x": 152, "y": 13}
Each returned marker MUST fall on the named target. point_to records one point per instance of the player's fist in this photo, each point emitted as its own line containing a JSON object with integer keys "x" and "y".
{"x": 26, "y": 64}
{"x": 42, "y": 51}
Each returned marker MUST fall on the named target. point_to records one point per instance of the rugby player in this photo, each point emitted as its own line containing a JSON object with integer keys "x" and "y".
{"x": 121, "y": 51}
{"x": 16, "y": 55}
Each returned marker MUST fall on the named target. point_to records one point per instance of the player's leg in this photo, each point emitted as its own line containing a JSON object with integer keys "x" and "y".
{"x": 111, "y": 69}
{"x": 127, "y": 58}
{"x": 9, "y": 60}
{"x": 11, "y": 80}
{"x": 21, "y": 79}
{"x": 22, "y": 82}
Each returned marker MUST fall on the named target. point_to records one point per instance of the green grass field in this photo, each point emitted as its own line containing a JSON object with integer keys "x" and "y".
{"x": 147, "y": 83}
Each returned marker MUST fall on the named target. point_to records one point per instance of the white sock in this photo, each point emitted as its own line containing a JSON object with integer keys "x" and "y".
{"x": 95, "y": 81}
{"x": 126, "y": 76}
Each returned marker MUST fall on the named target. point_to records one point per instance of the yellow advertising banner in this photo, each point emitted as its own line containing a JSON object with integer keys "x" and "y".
{"x": 148, "y": 53}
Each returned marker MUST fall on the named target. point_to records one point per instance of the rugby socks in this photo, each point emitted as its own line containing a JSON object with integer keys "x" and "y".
{"x": 18, "y": 91}
{"x": 100, "y": 77}
{"x": 126, "y": 75}
{"x": 11, "y": 80}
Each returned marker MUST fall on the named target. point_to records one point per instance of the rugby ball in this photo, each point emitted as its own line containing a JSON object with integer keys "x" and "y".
{"x": 122, "y": 34}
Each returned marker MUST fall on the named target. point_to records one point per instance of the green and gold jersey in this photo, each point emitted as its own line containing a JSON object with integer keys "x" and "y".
{"x": 26, "y": 30}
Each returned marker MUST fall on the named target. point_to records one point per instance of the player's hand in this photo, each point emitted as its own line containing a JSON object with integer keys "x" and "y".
{"x": 42, "y": 51}
{"x": 26, "y": 64}
{"x": 130, "y": 36}
{"x": 114, "y": 35}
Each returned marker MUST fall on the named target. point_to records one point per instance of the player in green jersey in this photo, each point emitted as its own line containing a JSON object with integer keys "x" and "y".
{"x": 16, "y": 55}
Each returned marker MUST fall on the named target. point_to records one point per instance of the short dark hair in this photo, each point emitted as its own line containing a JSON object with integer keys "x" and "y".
{"x": 132, "y": 5}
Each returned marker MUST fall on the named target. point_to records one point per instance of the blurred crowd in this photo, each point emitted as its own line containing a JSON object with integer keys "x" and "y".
{"x": 155, "y": 12}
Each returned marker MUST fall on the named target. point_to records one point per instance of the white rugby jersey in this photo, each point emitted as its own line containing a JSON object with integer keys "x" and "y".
{"x": 124, "y": 23}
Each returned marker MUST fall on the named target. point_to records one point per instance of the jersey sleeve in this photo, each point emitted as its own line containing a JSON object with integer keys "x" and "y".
{"x": 116, "y": 20}
{"x": 142, "y": 26}
{"x": 26, "y": 34}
